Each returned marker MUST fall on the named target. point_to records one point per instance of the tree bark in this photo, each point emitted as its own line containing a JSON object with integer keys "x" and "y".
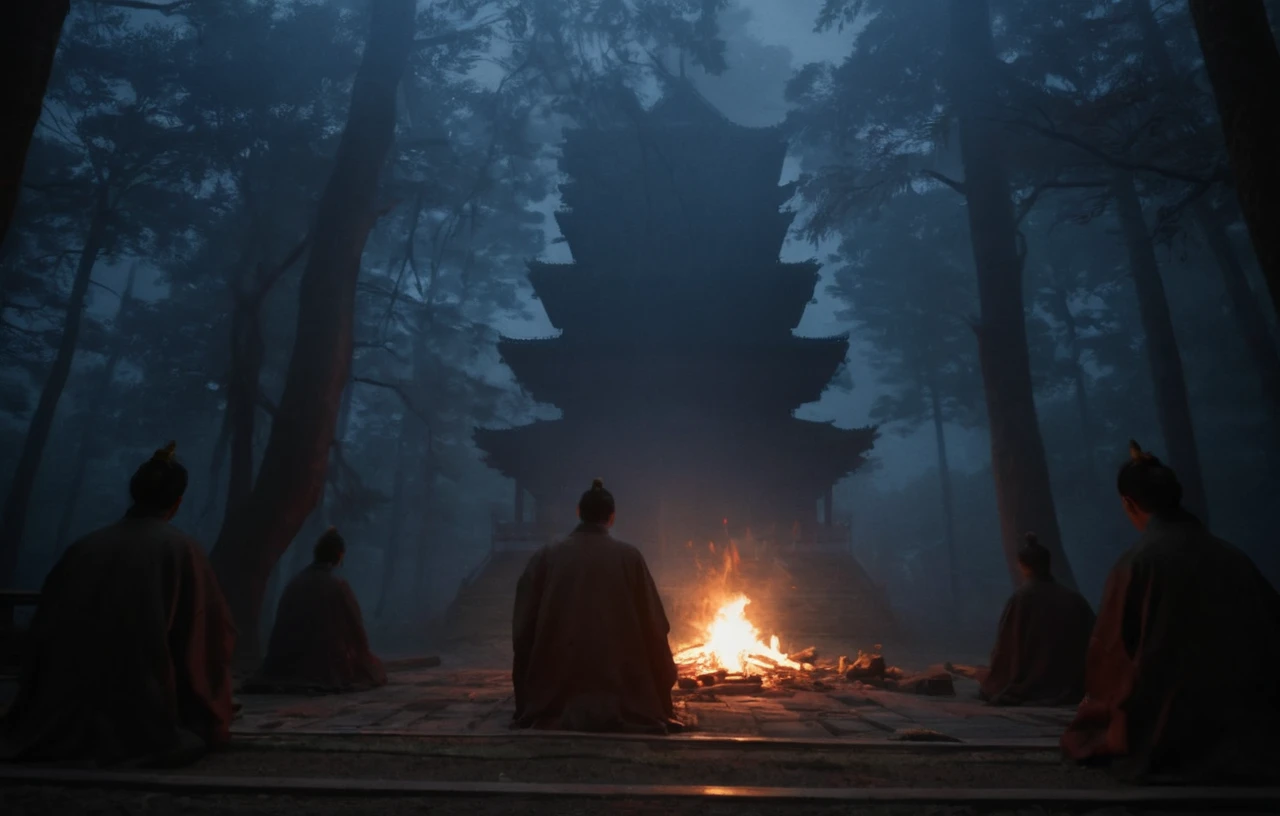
{"x": 948, "y": 506}
{"x": 1018, "y": 463}
{"x": 1172, "y": 406}
{"x": 90, "y": 429}
{"x": 292, "y": 475}
{"x": 13, "y": 522}
{"x": 1243, "y": 65}
{"x": 31, "y": 30}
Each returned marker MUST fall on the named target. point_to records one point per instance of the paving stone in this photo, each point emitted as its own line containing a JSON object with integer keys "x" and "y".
{"x": 796, "y": 729}
{"x": 847, "y": 727}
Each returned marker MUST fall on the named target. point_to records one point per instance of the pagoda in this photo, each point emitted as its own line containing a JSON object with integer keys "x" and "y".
{"x": 676, "y": 370}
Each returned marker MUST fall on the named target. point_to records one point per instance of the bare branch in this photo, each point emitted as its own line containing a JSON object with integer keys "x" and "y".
{"x": 1114, "y": 161}
{"x": 172, "y": 7}
{"x": 1029, "y": 202}
{"x": 958, "y": 186}
{"x": 399, "y": 391}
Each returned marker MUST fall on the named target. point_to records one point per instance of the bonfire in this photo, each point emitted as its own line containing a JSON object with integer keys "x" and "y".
{"x": 733, "y": 647}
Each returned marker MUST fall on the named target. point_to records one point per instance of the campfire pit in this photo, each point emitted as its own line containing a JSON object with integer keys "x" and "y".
{"x": 734, "y": 658}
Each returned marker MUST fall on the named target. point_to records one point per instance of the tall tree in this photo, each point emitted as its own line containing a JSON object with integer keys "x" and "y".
{"x": 910, "y": 296}
{"x": 1243, "y": 64}
{"x": 134, "y": 159}
{"x": 30, "y": 39}
{"x": 293, "y": 466}
{"x": 1248, "y": 312}
{"x": 1023, "y": 492}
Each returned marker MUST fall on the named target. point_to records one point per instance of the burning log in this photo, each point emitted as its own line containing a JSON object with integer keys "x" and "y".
{"x": 932, "y": 684}
{"x": 867, "y": 667}
{"x": 804, "y": 655}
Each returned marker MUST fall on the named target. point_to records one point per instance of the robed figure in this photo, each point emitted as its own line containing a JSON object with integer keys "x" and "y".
{"x": 129, "y": 653}
{"x": 590, "y": 634}
{"x": 318, "y": 643}
{"x": 1044, "y": 633}
{"x": 1183, "y": 672}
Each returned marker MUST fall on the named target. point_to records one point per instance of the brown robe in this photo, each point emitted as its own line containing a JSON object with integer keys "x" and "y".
{"x": 1183, "y": 672}
{"x": 590, "y": 638}
{"x": 1039, "y": 654}
{"x": 129, "y": 654}
{"x": 318, "y": 644}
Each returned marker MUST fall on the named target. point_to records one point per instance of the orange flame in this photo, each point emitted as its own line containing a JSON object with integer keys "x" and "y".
{"x": 734, "y": 645}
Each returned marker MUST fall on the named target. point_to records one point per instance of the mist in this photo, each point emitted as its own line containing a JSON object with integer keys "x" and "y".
{"x": 182, "y": 210}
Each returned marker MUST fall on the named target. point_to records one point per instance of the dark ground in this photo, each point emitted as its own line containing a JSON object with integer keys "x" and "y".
{"x": 564, "y": 760}
{"x": 30, "y": 801}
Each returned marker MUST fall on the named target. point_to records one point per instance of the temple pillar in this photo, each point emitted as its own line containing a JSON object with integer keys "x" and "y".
{"x": 828, "y": 508}
{"x": 519, "y": 503}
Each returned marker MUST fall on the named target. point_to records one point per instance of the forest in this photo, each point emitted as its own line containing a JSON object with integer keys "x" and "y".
{"x": 288, "y": 234}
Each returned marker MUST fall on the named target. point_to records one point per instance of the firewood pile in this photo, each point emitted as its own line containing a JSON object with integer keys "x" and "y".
{"x": 804, "y": 670}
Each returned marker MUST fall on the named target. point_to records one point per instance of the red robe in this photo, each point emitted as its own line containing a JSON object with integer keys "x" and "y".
{"x": 1040, "y": 648}
{"x": 1183, "y": 672}
{"x": 318, "y": 644}
{"x": 590, "y": 639}
{"x": 129, "y": 655}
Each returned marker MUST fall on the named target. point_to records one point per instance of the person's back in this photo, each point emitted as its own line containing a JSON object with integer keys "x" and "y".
{"x": 1183, "y": 665}
{"x": 129, "y": 656}
{"x": 590, "y": 635}
{"x": 318, "y": 643}
{"x": 1039, "y": 656}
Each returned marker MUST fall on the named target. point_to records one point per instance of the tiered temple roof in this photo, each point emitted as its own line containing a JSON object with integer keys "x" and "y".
{"x": 676, "y": 369}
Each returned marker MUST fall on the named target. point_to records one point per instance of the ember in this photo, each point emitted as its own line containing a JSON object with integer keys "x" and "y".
{"x": 733, "y": 646}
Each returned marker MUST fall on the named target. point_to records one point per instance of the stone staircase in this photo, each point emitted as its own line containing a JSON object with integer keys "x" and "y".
{"x": 480, "y": 615}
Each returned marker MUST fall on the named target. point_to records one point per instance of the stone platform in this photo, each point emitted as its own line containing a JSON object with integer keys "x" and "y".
{"x": 450, "y": 701}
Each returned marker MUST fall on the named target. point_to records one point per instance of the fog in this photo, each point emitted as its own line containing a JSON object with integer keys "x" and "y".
{"x": 164, "y": 252}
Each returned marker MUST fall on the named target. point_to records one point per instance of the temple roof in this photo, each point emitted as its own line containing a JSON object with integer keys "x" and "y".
{"x": 676, "y": 366}
{"x": 765, "y": 378}
{"x": 768, "y": 301}
{"x": 795, "y": 453}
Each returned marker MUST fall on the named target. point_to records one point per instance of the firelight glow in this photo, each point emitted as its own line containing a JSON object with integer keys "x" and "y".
{"x": 734, "y": 645}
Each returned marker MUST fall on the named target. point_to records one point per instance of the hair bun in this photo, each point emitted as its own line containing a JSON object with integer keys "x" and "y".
{"x": 165, "y": 454}
{"x": 597, "y": 484}
{"x": 1137, "y": 454}
{"x": 1032, "y": 539}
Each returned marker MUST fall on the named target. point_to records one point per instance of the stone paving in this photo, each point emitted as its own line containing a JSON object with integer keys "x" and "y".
{"x": 450, "y": 700}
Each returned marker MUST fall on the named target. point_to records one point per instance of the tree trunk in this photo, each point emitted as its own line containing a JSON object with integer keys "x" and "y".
{"x": 1165, "y": 361}
{"x": 1250, "y": 318}
{"x": 13, "y": 522}
{"x": 31, "y": 31}
{"x": 1063, "y": 307}
{"x": 1023, "y": 492}
{"x": 391, "y": 552}
{"x": 90, "y": 429}
{"x": 948, "y": 507}
{"x": 292, "y": 475}
{"x": 1243, "y": 64}
{"x": 247, "y": 353}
